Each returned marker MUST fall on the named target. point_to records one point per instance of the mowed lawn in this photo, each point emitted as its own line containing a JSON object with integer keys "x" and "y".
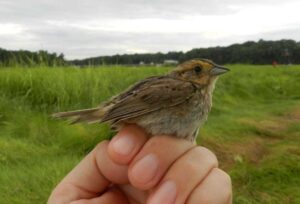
{"x": 254, "y": 128}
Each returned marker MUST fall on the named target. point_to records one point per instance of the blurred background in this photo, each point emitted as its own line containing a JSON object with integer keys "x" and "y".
{"x": 67, "y": 55}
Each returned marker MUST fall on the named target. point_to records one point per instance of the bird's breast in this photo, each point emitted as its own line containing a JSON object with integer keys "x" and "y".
{"x": 182, "y": 120}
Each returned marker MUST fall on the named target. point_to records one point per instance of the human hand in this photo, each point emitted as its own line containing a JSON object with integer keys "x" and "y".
{"x": 133, "y": 169}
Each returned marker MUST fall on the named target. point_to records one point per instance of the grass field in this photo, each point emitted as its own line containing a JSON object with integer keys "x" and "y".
{"x": 254, "y": 128}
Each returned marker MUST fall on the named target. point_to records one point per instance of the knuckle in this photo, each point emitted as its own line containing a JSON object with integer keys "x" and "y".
{"x": 218, "y": 180}
{"x": 97, "y": 153}
{"x": 224, "y": 176}
{"x": 208, "y": 155}
{"x": 225, "y": 181}
{"x": 62, "y": 191}
{"x": 99, "y": 147}
{"x": 192, "y": 167}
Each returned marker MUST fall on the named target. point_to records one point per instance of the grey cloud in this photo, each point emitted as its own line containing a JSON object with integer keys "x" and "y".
{"x": 78, "y": 43}
{"x": 72, "y": 10}
{"x": 33, "y": 15}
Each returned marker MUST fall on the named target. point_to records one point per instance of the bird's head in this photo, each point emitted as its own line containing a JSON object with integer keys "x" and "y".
{"x": 199, "y": 71}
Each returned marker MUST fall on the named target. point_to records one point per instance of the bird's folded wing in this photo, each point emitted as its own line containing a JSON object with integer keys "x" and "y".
{"x": 147, "y": 96}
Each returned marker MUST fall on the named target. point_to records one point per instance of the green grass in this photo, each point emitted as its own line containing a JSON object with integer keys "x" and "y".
{"x": 254, "y": 128}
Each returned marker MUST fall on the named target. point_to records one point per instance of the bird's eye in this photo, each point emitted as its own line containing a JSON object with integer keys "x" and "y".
{"x": 198, "y": 69}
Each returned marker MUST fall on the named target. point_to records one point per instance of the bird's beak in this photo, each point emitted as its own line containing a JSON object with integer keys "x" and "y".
{"x": 218, "y": 70}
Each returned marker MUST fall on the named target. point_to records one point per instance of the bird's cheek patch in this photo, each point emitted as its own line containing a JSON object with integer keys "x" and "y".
{"x": 203, "y": 79}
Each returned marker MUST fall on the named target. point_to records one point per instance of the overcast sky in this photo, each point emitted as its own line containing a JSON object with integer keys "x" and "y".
{"x": 89, "y": 28}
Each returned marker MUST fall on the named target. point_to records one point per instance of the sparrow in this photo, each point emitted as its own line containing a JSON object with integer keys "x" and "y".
{"x": 176, "y": 104}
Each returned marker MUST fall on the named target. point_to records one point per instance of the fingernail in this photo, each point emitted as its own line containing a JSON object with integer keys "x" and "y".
{"x": 145, "y": 169}
{"x": 165, "y": 194}
{"x": 123, "y": 145}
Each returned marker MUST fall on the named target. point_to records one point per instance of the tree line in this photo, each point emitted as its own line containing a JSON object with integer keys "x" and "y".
{"x": 24, "y": 58}
{"x": 260, "y": 52}
{"x": 251, "y": 52}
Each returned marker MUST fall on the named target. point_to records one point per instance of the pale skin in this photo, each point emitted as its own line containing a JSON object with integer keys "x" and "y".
{"x": 135, "y": 169}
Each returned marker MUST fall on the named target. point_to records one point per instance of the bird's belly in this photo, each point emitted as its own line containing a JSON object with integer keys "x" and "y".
{"x": 181, "y": 121}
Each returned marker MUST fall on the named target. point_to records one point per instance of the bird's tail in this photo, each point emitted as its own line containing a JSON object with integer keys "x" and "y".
{"x": 92, "y": 115}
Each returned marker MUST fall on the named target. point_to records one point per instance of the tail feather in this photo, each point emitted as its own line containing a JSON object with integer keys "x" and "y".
{"x": 92, "y": 115}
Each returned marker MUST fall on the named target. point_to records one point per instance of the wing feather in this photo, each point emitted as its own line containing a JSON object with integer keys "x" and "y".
{"x": 147, "y": 96}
